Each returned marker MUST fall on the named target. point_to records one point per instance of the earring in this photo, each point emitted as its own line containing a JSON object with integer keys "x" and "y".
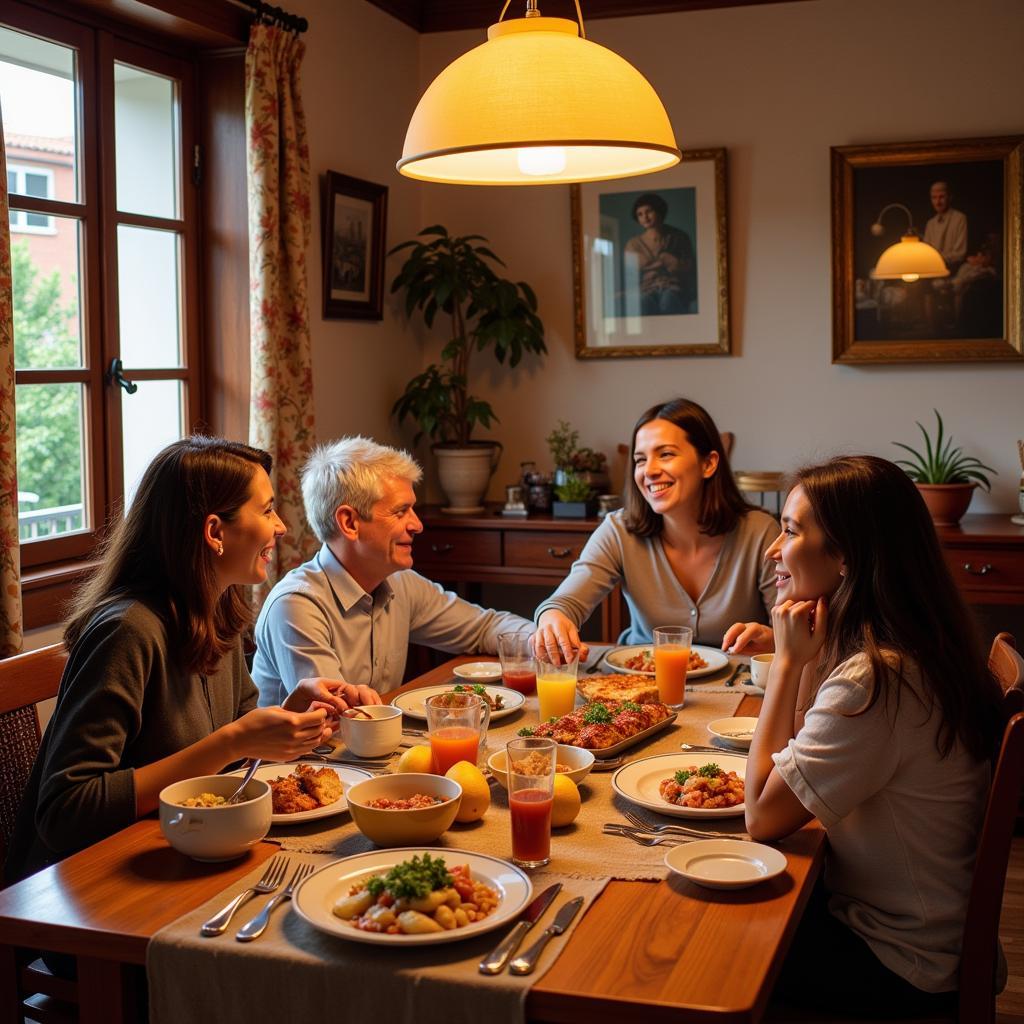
{"x": 842, "y": 573}
{"x": 220, "y": 549}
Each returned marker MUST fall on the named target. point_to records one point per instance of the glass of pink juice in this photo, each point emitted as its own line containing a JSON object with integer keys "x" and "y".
{"x": 456, "y": 725}
{"x": 531, "y": 778}
{"x": 518, "y": 668}
{"x": 671, "y": 661}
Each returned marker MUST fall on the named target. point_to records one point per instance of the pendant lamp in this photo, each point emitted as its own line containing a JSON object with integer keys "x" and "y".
{"x": 537, "y": 104}
{"x": 909, "y": 259}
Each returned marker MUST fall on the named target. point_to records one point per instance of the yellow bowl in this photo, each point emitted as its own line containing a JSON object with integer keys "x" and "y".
{"x": 404, "y": 828}
{"x": 580, "y": 762}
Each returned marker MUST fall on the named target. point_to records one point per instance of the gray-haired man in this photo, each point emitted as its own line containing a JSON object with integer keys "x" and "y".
{"x": 352, "y": 610}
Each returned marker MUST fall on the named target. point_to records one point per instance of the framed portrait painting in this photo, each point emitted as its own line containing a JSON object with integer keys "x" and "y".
{"x": 650, "y": 262}
{"x": 962, "y": 198}
{"x": 353, "y": 221}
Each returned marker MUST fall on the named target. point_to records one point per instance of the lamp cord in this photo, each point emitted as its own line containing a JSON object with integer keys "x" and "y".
{"x": 531, "y": 5}
{"x": 897, "y": 206}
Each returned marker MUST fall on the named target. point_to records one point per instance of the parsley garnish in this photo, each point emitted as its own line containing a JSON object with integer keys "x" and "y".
{"x": 597, "y": 714}
{"x": 710, "y": 771}
{"x": 629, "y": 705}
{"x": 682, "y": 775}
{"x": 553, "y": 719}
{"x": 412, "y": 879}
{"x": 525, "y": 731}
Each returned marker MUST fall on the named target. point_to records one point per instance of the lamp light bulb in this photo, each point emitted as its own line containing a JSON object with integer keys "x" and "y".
{"x": 541, "y": 160}
{"x": 909, "y": 278}
{"x": 877, "y": 230}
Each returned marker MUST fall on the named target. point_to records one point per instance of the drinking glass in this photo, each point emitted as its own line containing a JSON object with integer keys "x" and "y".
{"x": 530, "y": 794}
{"x": 518, "y": 667}
{"x": 556, "y": 687}
{"x": 671, "y": 660}
{"x": 456, "y": 724}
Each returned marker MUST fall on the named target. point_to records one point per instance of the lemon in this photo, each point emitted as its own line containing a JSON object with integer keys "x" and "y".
{"x": 415, "y": 759}
{"x": 565, "y": 801}
{"x": 476, "y": 794}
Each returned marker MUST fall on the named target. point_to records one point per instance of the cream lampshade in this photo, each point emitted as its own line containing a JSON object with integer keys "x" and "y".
{"x": 909, "y": 259}
{"x": 534, "y": 105}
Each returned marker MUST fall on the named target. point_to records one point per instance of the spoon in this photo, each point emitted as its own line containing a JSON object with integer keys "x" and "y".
{"x": 236, "y": 797}
{"x": 352, "y": 712}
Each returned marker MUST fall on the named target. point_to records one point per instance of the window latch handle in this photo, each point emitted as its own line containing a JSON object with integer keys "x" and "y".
{"x": 115, "y": 375}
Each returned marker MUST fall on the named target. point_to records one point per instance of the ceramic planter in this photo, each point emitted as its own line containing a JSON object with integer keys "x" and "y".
{"x": 946, "y": 503}
{"x": 464, "y": 474}
{"x": 573, "y": 509}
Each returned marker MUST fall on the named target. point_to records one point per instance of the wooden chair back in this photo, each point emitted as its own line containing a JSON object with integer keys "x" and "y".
{"x": 1007, "y": 664}
{"x": 25, "y": 680}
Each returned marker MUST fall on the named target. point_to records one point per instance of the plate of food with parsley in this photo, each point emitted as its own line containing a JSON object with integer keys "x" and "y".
{"x": 606, "y": 727}
{"x": 685, "y": 785}
{"x": 502, "y": 700}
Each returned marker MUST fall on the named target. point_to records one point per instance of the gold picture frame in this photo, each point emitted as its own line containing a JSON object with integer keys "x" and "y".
{"x": 650, "y": 262}
{"x": 975, "y": 313}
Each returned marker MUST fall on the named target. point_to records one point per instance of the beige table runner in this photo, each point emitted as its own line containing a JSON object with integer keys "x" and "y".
{"x": 579, "y": 850}
{"x": 295, "y": 973}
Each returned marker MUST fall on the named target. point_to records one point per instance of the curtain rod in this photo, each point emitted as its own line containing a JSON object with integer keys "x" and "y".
{"x": 270, "y": 13}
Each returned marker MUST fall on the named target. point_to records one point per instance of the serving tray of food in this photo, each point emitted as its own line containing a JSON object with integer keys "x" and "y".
{"x": 607, "y": 727}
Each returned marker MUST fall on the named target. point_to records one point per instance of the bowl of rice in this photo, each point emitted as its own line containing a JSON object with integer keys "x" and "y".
{"x": 197, "y": 820}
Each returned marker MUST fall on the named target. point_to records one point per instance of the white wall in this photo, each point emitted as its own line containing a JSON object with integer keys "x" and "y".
{"x": 777, "y": 85}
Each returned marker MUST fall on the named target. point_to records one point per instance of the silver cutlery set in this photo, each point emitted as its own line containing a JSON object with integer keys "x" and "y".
{"x": 643, "y": 833}
{"x": 495, "y": 962}
{"x": 273, "y": 876}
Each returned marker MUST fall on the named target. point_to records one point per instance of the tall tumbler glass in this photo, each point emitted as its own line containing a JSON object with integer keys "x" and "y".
{"x": 456, "y": 724}
{"x": 531, "y": 781}
{"x": 671, "y": 661}
{"x": 518, "y": 667}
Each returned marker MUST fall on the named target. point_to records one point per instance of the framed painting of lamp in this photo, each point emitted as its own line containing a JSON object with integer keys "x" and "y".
{"x": 926, "y": 251}
{"x": 353, "y": 217}
{"x": 650, "y": 262}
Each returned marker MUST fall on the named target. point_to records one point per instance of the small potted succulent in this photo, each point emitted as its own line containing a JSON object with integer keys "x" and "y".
{"x": 945, "y": 476}
{"x": 574, "y": 498}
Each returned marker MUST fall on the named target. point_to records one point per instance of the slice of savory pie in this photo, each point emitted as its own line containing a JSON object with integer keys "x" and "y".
{"x": 641, "y": 689}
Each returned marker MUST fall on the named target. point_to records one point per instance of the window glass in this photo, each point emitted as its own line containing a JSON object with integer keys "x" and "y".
{"x": 151, "y": 419}
{"x": 149, "y": 297}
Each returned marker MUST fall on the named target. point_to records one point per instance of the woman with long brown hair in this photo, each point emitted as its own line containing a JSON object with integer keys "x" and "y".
{"x": 879, "y": 719}
{"x": 687, "y": 549}
{"x": 156, "y": 689}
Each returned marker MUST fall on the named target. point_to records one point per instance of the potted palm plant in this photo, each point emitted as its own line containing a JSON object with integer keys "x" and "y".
{"x": 945, "y": 476}
{"x": 451, "y": 275}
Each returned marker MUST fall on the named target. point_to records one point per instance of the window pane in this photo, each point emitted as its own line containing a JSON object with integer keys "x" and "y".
{"x": 47, "y": 276}
{"x": 37, "y": 93}
{"x": 51, "y": 498}
{"x": 151, "y": 419}
{"x": 148, "y": 297}
{"x": 146, "y": 142}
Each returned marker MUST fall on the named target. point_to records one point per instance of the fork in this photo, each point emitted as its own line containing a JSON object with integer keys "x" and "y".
{"x": 679, "y": 830}
{"x": 645, "y": 840}
{"x": 258, "y": 925}
{"x": 272, "y": 878}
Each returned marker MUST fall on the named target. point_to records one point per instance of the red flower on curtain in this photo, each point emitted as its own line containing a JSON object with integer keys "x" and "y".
{"x": 281, "y": 404}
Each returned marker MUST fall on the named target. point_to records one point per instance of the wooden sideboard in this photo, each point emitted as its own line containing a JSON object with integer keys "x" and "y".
{"x": 985, "y": 554}
{"x": 491, "y": 548}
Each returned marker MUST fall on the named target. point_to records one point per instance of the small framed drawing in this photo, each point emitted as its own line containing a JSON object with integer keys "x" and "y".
{"x": 353, "y": 221}
{"x": 650, "y": 262}
{"x": 963, "y": 198}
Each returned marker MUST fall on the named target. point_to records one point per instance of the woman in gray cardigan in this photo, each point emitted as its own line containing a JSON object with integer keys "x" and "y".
{"x": 156, "y": 689}
{"x": 687, "y": 549}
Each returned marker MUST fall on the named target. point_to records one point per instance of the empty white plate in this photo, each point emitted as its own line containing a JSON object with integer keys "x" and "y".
{"x": 479, "y": 671}
{"x": 725, "y": 863}
{"x": 735, "y": 732}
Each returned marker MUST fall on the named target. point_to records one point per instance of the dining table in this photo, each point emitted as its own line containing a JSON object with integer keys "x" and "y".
{"x": 656, "y": 950}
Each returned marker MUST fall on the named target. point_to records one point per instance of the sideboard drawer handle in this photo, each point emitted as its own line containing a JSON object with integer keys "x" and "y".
{"x": 983, "y": 571}
{"x": 559, "y": 552}
{"x": 441, "y": 549}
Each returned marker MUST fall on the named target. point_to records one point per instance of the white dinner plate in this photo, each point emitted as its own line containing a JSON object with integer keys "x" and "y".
{"x": 411, "y": 702}
{"x": 318, "y": 893}
{"x": 615, "y": 660}
{"x": 639, "y": 780}
{"x": 725, "y": 863}
{"x": 349, "y": 777}
{"x": 734, "y": 732}
{"x": 479, "y": 671}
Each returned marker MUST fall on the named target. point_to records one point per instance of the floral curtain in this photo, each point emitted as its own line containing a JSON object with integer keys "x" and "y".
{"x": 281, "y": 402}
{"x": 10, "y": 556}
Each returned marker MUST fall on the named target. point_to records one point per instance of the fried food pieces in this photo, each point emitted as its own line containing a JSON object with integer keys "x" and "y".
{"x": 305, "y": 789}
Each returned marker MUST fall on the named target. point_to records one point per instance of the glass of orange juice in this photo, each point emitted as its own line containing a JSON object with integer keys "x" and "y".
{"x": 456, "y": 724}
{"x": 671, "y": 660}
{"x": 556, "y": 687}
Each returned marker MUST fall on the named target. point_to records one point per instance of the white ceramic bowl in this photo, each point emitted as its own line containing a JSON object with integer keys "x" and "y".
{"x": 215, "y": 833}
{"x": 578, "y": 759}
{"x": 404, "y": 828}
{"x": 734, "y": 732}
{"x": 379, "y": 735}
{"x": 479, "y": 671}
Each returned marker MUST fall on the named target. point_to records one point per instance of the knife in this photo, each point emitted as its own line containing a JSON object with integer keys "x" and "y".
{"x": 525, "y": 964}
{"x": 496, "y": 961}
